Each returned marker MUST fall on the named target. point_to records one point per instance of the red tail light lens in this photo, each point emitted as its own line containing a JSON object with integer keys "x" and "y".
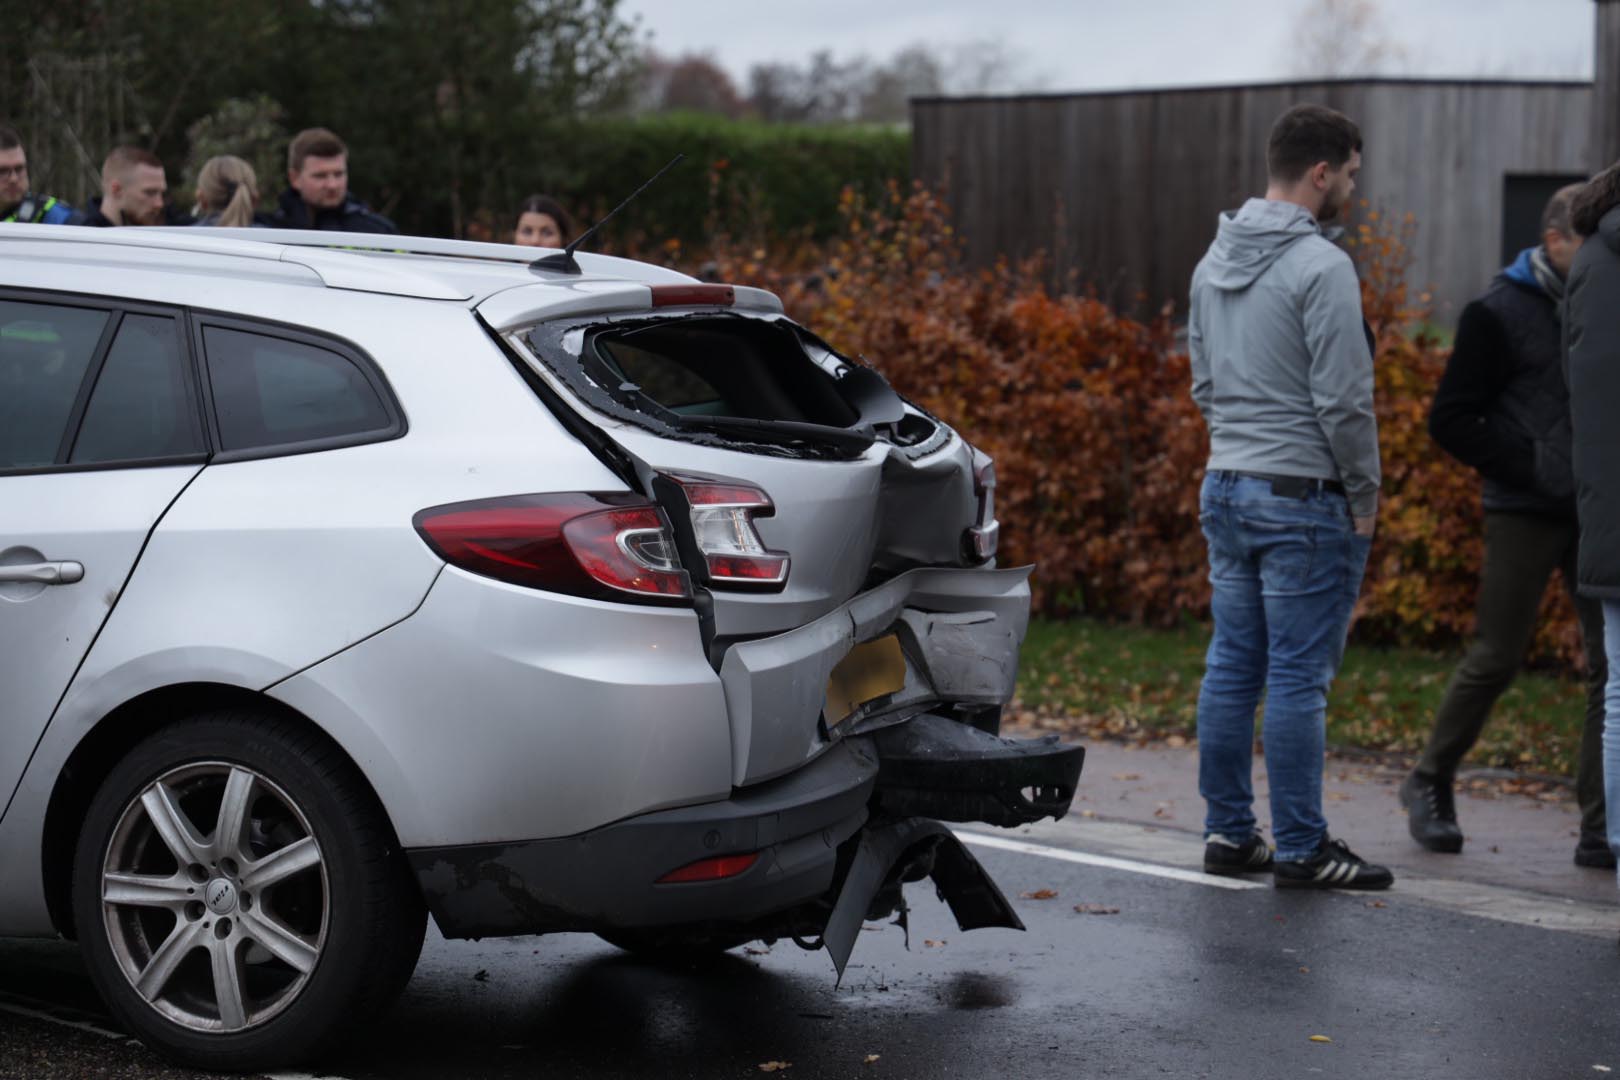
{"x": 603, "y": 546}
{"x": 716, "y": 869}
{"x": 693, "y": 295}
{"x": 723, "y": 513}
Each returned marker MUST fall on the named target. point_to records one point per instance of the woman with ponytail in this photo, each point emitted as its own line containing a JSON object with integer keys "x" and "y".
{"x": 227, "y": 194}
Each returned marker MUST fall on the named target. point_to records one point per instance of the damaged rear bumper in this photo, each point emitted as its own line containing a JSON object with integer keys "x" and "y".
{"x": 832, "y": 843}
{"x": 608, "y": 878}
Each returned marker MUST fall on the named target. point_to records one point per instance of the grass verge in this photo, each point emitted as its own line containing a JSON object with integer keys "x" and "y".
{"x": 1129, "y": 682}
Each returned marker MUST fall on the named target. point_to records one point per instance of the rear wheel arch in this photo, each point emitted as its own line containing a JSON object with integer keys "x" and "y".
{"x": 106, "y": 744}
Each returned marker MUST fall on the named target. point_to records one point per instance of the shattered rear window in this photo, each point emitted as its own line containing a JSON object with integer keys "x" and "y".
{"x": 759, "y": 383}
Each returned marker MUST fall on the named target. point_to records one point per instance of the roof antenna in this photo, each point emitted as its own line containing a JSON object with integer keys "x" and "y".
{"x": 562, "y": 262}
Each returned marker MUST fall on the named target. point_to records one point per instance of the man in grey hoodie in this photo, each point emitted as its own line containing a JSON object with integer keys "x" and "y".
{"x": 1282, "y": 372}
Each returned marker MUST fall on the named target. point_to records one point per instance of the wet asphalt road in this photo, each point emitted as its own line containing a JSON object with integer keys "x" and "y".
{"x": 1184, "y": 980}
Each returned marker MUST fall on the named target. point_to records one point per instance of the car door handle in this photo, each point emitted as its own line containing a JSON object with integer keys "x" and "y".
{"x": 44, "y": 573}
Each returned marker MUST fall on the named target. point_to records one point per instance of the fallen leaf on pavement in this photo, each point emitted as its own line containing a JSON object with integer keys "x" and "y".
{"x": 1338, "y": 796}
{"x": 1088, "y": 813}
{"x": 1320, "y": 1038}
{"x": 1096, "y": 909}
{"x": 774, "y": 1066}
{"x": 1127, "y": 776}
{"x": 1303, "y": 970}
{"x": 1039, "y": 894}
{"x": 1376, "y": 903}
{"x": 751, "y": 951}
{"x": 932, "y": 944}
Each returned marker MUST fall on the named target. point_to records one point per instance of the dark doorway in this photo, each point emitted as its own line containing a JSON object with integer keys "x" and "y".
{"x": 1523, "y": 199}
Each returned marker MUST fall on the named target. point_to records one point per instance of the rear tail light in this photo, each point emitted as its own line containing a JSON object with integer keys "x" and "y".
{"x": 609, "y": 546}
{"x": 722, "y": 514}
{"x": 715, "y": 869}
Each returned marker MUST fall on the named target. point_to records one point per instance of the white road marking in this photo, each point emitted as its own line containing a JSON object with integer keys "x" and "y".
{"x": 1108, "y": 862}
{"x": 1494, "y": 902}
{"x": 11, "y": 1004}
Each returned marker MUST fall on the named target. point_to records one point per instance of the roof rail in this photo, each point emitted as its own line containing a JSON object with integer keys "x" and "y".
{"x": 435, "y": 247}
{"x": 384, "y": 243}
{"x": 336, "y": 267}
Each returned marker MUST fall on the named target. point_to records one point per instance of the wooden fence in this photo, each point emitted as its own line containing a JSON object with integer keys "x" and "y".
{"x": 1122, "y": 190}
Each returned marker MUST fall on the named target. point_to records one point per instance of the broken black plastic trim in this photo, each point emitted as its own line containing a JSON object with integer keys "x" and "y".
{"x": 891, "y": 853}
{"x": 936, "y": 767}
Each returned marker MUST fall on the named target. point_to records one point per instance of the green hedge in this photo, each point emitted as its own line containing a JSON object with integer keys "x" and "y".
{"x": 748, "y": 179}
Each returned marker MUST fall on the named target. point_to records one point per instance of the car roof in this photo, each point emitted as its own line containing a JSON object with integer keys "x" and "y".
{"x": 425, "y": 267}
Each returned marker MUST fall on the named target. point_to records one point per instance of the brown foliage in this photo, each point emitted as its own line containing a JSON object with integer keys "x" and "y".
{"x": 1098, "y": 447}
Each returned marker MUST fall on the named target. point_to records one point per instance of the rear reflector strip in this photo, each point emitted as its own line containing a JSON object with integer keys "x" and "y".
{"x": 715, "y": 869}
{"x": 693, "y": 296}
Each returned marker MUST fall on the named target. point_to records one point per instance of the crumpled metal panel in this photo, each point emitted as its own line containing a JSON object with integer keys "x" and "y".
{"x": 964, "y": 630}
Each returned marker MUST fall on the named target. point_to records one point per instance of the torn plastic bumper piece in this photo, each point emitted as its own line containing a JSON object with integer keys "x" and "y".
{"x": 933, "y": 766}
{"x": 895, "y": 852}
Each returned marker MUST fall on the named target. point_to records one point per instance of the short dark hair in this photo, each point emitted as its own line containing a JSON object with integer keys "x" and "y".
{"x": 313, "y": 142}
{"x": 124, "y": 158}
{"x": 1600, "y": 195}
{"x": 9, "y": 139}
{"x": 1307, "y": 134}
{"x": 1556, "y": 215}
{"x": 545, "y": 204}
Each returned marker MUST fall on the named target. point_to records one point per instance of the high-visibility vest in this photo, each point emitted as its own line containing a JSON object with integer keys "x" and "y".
{"x": 32, "y": 209}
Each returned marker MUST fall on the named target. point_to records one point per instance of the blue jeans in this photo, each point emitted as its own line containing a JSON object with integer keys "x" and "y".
{"x": 1285, "y": 573}
{"x": 1611, "y": 732}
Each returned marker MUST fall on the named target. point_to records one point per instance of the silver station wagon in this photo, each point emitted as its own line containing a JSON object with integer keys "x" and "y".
{"x": 347, "y": 579}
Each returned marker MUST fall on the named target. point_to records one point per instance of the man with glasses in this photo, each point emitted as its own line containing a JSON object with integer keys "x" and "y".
{"x": 17, "y": 202}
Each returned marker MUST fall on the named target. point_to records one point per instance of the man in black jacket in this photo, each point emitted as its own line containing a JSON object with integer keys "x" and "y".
{"x": 319, "y": 197}
{"x": 1503, "y": 408}
{"x": 1592, "y": 353}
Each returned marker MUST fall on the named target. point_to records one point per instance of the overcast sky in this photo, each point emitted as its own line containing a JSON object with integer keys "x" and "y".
{"x": 1101, "y": 44}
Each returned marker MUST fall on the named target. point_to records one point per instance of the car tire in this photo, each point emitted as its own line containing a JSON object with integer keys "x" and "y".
{"x": 239, "y": 895}
{"x": 673, "y": 946}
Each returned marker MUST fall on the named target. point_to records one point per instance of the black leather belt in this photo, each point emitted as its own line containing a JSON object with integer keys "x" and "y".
{"x": 1294, "y": 487}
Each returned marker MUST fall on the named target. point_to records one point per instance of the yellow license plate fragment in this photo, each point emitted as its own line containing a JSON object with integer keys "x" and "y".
{"x": 870, "y": 670}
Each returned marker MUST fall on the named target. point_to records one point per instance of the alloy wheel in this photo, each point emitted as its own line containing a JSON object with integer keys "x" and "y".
{"x": 215, "y": 897}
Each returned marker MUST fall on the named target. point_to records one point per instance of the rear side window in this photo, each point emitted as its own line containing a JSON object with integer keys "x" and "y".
{"x": 45, "y": 350}
{"x": 274, "y": 392}
{"x": 141, "y": 406}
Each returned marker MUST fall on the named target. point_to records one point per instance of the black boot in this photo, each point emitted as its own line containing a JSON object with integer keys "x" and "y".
{"x": 1431, "y": 815}
{"x": 1593, "y": 851}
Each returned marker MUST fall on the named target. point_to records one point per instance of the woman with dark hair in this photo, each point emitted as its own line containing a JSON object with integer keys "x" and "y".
{"x": 542, "y": 222}
{"x": 1592, "y": 359}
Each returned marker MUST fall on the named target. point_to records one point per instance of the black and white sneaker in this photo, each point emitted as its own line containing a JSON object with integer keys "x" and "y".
{"x": 1223, "y": 856}
{"x": 1334, "y": 866}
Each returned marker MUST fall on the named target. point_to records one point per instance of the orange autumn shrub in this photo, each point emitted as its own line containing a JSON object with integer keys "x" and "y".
{"x": 1087, "y": 412}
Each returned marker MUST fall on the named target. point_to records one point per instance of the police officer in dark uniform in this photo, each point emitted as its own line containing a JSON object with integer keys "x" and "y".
{"x": 319, "y": 196}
